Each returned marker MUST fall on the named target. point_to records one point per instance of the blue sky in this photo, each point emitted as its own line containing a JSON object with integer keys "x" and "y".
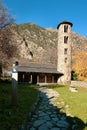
{"x": 49, "y": 13}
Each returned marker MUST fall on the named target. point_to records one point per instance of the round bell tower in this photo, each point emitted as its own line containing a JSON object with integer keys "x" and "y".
{"x": 64, "y": 52}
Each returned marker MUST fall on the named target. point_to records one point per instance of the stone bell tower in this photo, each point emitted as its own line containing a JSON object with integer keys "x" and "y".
{"x": 64, "y": 52}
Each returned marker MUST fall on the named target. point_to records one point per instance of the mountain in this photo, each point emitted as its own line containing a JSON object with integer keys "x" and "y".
{"x": 37, "y": 44}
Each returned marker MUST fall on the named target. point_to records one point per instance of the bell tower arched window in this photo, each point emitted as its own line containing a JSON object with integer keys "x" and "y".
{"x": 65, "y": 51}
{"x": 65, "y": 39}
{"x": 65, "y": 28}
{"x": 65, "y": 60}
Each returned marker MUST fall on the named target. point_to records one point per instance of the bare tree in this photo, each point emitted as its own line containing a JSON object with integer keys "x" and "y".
{"x": 5, "y": 18}
{"x": 7, "y": 49}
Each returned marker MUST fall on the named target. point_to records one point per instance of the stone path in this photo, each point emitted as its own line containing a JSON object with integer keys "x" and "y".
{"x": 47, "y": 115}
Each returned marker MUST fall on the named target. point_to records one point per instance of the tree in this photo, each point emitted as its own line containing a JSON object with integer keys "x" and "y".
{"x": 5, "y": 18}
{"x": 7, "y": 49}
{"x": 80, "y": 65}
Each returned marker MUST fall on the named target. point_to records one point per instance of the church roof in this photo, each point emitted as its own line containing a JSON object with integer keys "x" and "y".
{"x": 64, "y": 22}
{"x": 38, "y": 68}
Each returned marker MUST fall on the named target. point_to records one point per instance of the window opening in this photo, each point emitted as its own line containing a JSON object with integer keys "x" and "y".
{"x": 65, "y": 60}
{"x": 65, "y": 39}
{"x": 65, "y": 28}
{"x": 65, "y": 51}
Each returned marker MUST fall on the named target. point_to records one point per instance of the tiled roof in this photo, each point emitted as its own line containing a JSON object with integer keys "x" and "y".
{"x": 38, "y": 68}
{"x": 65, "y": 22}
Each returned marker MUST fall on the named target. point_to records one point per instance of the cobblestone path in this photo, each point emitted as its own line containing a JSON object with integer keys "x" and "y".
{"x": 47, "y": 115}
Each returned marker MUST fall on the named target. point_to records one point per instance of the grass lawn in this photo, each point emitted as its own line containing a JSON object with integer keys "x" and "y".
{"x": 77, "y": 101}
{"x": 12, "y": 118}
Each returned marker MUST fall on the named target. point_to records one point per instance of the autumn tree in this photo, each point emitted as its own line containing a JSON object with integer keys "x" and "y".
{"x": 80, "y": 65}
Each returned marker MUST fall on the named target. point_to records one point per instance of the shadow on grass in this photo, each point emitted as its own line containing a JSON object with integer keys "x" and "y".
{"x": 12, "y": 118}
{"x": 74, "y": 123}
{"x": 55, "y": 86}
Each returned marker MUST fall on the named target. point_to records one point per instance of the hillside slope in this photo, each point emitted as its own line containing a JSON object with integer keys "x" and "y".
{"x": 37, "y": 44}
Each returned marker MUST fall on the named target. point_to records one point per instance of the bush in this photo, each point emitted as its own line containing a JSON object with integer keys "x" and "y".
{"x": 74, "y": 75}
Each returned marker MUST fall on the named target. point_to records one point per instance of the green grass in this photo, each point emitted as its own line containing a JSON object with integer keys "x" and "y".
{"x": 12, "y": 118}
{"x": 77, "y": 101}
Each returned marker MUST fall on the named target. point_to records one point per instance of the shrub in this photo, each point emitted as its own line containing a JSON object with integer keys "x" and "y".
{"x": 74, "y": 75}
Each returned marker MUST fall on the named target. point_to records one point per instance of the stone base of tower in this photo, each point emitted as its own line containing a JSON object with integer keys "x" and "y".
{"x": 63, "y": 80}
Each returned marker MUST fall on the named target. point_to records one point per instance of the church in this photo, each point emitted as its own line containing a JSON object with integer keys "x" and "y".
{"x": 36, "y": 73}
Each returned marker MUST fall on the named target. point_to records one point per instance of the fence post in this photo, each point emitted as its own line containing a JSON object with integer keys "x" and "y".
{"x": 14, "y": 84}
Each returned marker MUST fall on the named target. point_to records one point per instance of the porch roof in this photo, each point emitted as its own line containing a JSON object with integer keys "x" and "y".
{"x": 38, "y": 68}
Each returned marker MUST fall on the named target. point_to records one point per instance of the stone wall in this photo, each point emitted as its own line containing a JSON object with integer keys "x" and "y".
{"x": 79, "y": 83}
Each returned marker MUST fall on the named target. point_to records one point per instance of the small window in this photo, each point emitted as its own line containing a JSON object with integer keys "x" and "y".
{"x": 65, "y": 60}
{"x": 65, "y": 28}
{"x": 65, "y": 39}
{"x": 65, "y": 51}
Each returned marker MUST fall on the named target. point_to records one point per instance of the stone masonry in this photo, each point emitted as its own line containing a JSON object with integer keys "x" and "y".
{"x": 64, "y": 52}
